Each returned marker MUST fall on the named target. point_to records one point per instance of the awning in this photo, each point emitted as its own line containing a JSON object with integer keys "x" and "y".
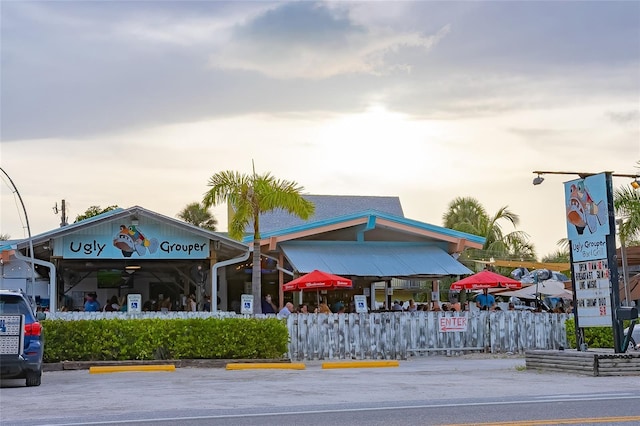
{"x": 372, "y": 259}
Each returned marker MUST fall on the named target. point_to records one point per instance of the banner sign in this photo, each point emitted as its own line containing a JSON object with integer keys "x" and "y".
{"x": 132, "y": 241}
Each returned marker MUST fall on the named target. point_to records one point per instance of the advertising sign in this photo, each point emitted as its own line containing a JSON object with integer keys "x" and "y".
{"x": 246, "y": 301}
{"x": 127, "y": 241}
{"x": 589, "y": 212}
{"x": 592, "y": 291}
{"x": 134, "y": 303}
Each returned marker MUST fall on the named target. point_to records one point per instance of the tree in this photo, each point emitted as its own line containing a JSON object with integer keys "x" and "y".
{"x": 626, "y": 202}
{"x": 197, "y": 214}
{"x": 94, "y": 211}
{"x": 249, "y": 196}
{"x": 466, "y": 214}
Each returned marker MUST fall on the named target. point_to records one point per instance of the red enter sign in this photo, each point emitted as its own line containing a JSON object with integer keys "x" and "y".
{"x": 450, "y": 324}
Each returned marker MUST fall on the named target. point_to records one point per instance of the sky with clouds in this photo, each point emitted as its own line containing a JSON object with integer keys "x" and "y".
{"x": 139, "y": 103}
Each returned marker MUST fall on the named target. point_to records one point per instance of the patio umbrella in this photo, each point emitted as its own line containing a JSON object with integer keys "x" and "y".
{"x": 551, "y": 287}
{"x": 318, "y": 280}
{"x": 485, "y": 279}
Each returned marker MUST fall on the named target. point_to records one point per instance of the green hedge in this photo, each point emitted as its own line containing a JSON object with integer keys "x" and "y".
{"x": 595, "y": 337}
{"x": 148, "y": 339}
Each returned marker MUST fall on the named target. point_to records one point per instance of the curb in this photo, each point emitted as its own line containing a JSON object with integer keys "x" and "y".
{"x": 360, "y": 364}
{"x": 266, "y": 366}
{"x": 126, "y": 368}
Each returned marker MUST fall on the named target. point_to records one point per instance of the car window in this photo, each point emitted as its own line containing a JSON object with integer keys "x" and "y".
{"x": 13, "y": 306}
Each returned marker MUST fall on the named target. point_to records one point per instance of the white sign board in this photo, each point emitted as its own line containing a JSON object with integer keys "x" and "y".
{"x": 452, "y": 324}
{"x": 134, "y": 303}
{"x": 361, "y": 303}
{"x": 593, "y": 290}
{"x": 246, "y": 301}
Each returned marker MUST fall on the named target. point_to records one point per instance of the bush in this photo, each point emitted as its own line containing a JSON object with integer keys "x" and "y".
{"x": 148, "y": 339}
{"x": 595, "y": 337}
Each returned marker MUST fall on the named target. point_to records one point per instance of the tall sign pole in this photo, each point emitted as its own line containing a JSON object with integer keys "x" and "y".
{"x": 591, "y": 232}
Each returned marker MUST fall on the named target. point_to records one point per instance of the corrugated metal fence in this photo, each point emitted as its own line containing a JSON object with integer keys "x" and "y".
{"x": 397, "y": 335}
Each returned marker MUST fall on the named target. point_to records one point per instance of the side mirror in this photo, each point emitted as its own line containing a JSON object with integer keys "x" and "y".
{"x": 41, "y": 316}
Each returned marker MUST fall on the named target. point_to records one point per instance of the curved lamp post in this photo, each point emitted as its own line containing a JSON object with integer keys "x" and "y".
{"x": 26, "y": 218}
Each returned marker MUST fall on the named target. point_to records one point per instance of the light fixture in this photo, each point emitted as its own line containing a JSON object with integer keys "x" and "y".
{"x": 635, "y": 184}
{"x": 132, "y": 268}
{"x": 134, "y": 221}
{"x": 538, "y": 180}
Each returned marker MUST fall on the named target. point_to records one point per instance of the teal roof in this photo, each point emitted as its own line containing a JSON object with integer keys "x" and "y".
{"x": 372, "y": 214}
{"x": 372, "y": 259}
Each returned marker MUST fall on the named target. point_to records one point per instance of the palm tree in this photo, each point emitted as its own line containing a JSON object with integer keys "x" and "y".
{"x": 466, "y": 214}
{"x": 249, "y": 196}
{"x": 626, "y": 202}
{"x": 197, "y": 214}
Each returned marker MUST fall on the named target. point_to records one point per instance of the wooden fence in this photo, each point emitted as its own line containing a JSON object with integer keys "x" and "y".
{"x": 398, "y": 335}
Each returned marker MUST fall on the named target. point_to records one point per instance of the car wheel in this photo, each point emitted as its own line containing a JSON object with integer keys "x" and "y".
{"x": 631, "y": 345}
{"x": 34, "y": 378}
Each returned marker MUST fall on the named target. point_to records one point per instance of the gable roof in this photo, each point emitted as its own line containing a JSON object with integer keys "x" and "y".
{"x": 227, "y": 244}
{"x": 327, "y": 207}
{"x": 361, "y": 224}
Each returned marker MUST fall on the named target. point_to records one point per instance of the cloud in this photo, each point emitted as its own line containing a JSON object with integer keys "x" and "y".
{"x": 310, "y": 41}
{"x": 625, "y": 118}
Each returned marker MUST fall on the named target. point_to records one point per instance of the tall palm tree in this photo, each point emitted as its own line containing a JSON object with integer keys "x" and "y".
{"x": 249, "y": 196}
{"x": 466, "y": 214}
{"x": 197, "y": 214}
{"x": 626, "y": 202}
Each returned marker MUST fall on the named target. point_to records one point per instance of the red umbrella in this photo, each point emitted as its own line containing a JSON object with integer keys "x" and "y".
{"x": 485, "y": 279}
{"x": 317, "y": 280}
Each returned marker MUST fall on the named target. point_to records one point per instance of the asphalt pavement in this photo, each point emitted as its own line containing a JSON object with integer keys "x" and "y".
{"x": 77, "y": 394}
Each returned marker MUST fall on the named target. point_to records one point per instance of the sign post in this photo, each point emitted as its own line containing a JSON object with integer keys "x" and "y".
{"x": 591, "y": 232}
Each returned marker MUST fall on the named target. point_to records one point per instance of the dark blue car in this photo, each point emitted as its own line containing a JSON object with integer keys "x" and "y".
{"x": 20, "y": 359}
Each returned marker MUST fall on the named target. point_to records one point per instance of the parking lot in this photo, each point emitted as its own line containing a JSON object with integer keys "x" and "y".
{"x": 82, "y": 396}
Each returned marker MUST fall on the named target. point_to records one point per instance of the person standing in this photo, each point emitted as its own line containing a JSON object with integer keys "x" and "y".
{"x": 486, "y": 301}
{"x": 91, "y": 304}
{"x": 268, "y": 307}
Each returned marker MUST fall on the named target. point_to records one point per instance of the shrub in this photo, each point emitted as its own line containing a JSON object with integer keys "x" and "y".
{"x": 148, "y": 339}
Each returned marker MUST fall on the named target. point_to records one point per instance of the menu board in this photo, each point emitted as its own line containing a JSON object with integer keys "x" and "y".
{"x": 593, "y": 292}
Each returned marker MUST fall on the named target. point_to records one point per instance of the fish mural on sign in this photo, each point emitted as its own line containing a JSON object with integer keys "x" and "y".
{"x": 583, "y": 212}
{"x": 130, "y": 239}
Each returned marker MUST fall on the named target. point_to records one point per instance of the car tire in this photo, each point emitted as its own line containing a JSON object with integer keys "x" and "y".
{"x": 631, "y": 345}
{"x": 34, "y": 378}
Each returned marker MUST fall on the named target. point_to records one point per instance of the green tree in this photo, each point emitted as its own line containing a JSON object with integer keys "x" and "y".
{"x": 94, "y": 211}
{"x": 626, "y": 202}
{"x": 197, "y": 214}
{"x": 466, "y": 214}
{"x": 249, "y": 196}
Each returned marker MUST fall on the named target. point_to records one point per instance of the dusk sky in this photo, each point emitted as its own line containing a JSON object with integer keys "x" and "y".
{"x": 139, "y": 103}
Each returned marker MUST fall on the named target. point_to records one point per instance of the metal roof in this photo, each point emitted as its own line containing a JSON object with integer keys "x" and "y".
{"x": 372, "y": 259}
{"x": 401, "y": 221}
{"x": 328, "y": 207}
{"x": 229, "y": 245}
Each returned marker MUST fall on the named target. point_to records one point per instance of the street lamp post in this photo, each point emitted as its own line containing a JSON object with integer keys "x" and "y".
{"x": 26, "y": 218}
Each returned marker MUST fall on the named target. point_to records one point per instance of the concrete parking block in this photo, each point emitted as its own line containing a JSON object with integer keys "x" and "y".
{"x": 361, "y": 364}
{"x": 266, "y": 365}
{"x": 126, "y": 368}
